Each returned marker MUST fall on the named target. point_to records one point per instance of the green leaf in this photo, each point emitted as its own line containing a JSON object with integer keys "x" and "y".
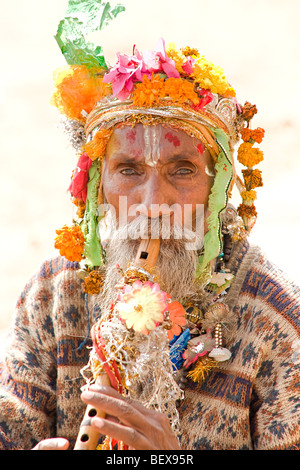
{"x": 83, "y": 17}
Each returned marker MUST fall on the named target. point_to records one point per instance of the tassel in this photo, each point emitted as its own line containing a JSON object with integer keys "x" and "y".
{"x": 203, "y": 368}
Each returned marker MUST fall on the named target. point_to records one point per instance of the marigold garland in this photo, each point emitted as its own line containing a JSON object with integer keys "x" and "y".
{"x": 93, "y": 282}
{"x": 70, "y": 242}
{"x": 256, "y": 135}
{"x": 252, "y": 178}
{"x": 248, "y": 111}
{"x": 249, "y": 155}
{"x": 148, "y": 92}
{"x": 247, "y": 211}
{"x": 180, "y": 90}
{"x": 249, "y": 195}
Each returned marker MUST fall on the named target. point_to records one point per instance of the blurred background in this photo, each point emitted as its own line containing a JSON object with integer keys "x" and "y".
{"x": 257, "y": 44}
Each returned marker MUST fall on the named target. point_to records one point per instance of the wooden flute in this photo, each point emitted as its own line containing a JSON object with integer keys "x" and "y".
{"x": 88, "y": 437}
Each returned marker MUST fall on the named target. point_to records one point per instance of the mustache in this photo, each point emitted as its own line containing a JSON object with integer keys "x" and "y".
{"x": 142, "y": 227}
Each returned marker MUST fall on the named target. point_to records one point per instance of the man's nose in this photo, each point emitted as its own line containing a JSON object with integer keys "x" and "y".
{"x": 155, "y": 200}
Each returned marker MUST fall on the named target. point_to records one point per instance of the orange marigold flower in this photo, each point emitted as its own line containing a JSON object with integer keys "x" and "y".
{"x": 93, "y": 282}
{"x": 252, "y": 178}
{"x": 248, "y": 111}
{"x": 252, "y": 136}
{"x": 148, "y": 92}
{"x": 247, "y": 211}
{"x": 70, "y": 242}
{"x": 249, "y": 155}
{"x": 77, "y": 90}
{"x": 249, "y": 195}
{"x": 81, "y": 207}
{"x": 190, "y": 51}
{"x": 180, "y": 90}
{"x": 96, "y": 147}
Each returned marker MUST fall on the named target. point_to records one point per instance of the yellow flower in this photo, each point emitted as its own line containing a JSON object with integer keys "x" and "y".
{"x": 142, "y": 306}
{"x": 176, "y": 55}
{"x": 70, "y": 242}
{"x": 249, "y": 155}
{"x": 211, "y": 77}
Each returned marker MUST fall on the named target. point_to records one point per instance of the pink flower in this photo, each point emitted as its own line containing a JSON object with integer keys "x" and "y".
{"x": 131, "y": 69}
{"x": 127, "y": 70}
{"x": 167, "y": 65}
{"x": 187, "y": 67}
{"x": 78, "y": 186}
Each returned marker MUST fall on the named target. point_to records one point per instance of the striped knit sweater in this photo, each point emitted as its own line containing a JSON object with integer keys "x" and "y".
{"x": 251, "y": 401}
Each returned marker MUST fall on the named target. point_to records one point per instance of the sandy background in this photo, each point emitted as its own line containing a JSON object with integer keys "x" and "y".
{"x": 257, "y": 43}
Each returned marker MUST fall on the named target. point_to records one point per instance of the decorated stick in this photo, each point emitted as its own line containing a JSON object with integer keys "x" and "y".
{"x": 88, "y": 436}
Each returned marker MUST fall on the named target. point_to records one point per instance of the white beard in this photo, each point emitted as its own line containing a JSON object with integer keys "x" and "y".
{"x": 175, "y": 266}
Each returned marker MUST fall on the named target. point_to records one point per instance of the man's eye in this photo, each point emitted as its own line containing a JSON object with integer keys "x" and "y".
{"x": 184, "y": 171}
{"x": 128, "y": 171}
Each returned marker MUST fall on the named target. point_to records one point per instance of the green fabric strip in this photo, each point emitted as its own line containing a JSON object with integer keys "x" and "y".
{"x": 216, "y": 204}
{"x": 92, "y": 248}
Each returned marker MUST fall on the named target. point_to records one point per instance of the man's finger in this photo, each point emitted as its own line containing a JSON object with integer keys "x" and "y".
{"x": 128, "y": 435}
{"x": 57, "y": 443}
{"x": 115, "y": 406}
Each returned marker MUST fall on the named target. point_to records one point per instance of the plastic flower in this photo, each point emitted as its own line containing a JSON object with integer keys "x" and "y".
{"x": 249, "y": 155}
{"x": 148, "y": 92}
{"x": 142, "y": 306}
{"x": 70, "y": 242}
{"x": 177, "y": 317}
{"x": 78, "y": 186}
{"x": 96, "y": 147}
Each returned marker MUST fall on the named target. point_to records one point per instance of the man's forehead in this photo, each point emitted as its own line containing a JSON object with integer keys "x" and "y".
{"x": 151, "y": 143}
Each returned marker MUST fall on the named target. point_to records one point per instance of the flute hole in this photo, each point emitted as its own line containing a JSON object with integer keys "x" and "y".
{"x": 92, "y": 412}
{"x": 144, "y": 255}
{"x": 84, "y": 438}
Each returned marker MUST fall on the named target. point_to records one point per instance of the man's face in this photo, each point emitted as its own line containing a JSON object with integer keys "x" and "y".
{"x": 156, "y": 167}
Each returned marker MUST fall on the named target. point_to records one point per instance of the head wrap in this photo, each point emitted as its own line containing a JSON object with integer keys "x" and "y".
{"x": 178, "y": 88}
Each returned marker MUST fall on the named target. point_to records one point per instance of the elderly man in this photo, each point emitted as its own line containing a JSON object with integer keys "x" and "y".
{"x": 185, "y": 335}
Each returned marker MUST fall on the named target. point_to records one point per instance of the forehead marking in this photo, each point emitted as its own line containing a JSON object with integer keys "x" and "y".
{"x": 152, "y": 136}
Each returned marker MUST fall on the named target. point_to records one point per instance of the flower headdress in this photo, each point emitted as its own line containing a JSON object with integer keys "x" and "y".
{"x": 178, "y": 87}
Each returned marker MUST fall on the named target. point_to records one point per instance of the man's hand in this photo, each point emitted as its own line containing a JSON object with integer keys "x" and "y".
{"x": 57, "y": 443}
{"x": 129, "y": 421}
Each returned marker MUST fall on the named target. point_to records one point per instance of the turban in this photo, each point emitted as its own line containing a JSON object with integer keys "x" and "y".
{"x": 175, "y": 87}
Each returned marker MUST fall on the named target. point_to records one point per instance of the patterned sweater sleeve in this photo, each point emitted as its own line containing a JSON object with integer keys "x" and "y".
{"x": 28, "y": 372}
{"x": 274, "y": 345}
